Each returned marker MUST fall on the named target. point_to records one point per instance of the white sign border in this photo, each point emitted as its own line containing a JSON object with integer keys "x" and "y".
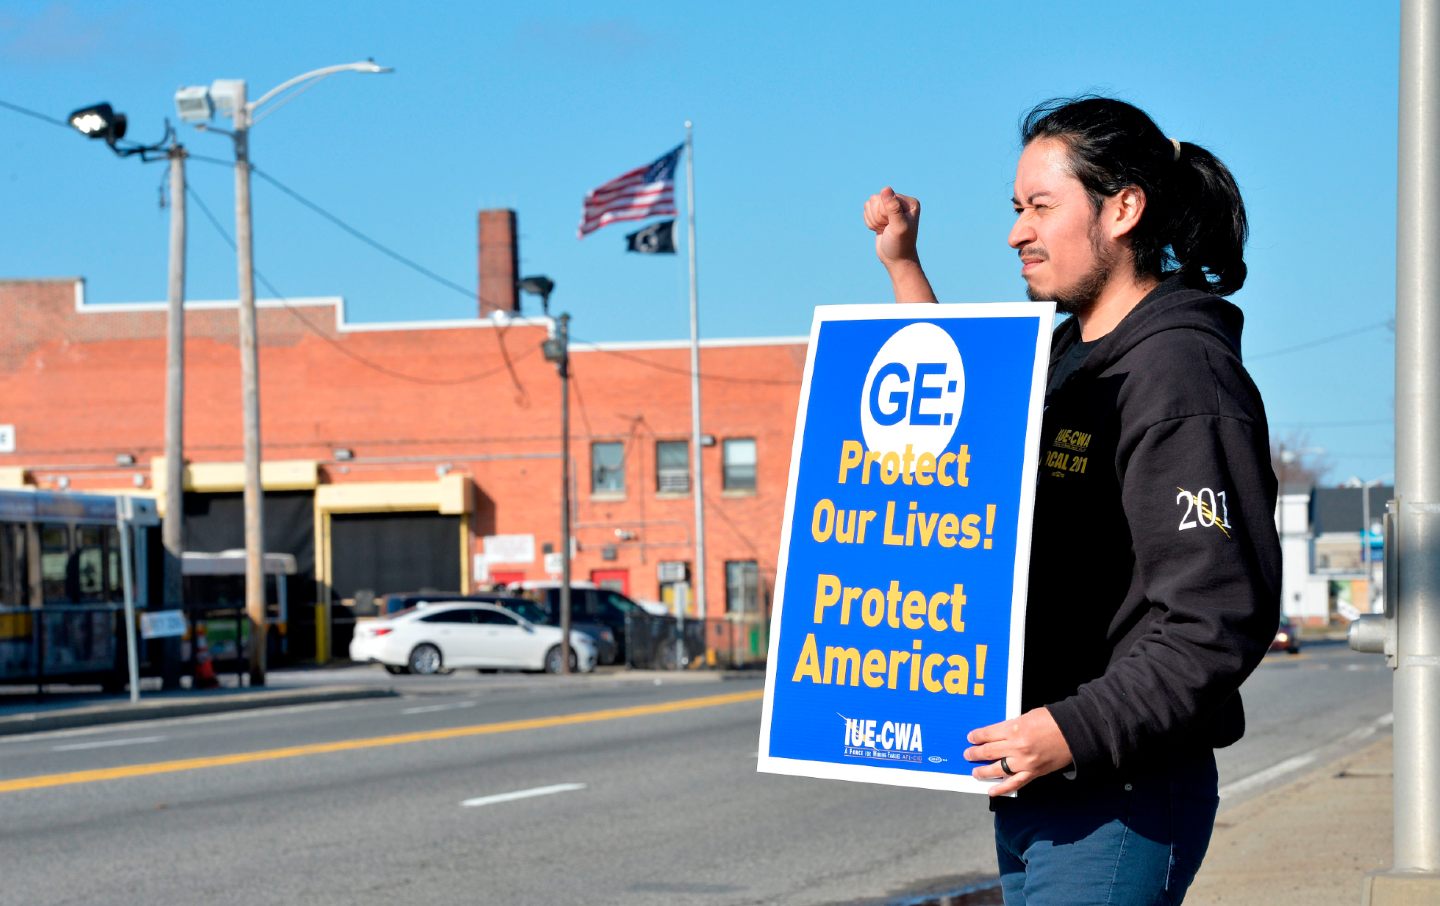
{"x": 1044, "y": 313}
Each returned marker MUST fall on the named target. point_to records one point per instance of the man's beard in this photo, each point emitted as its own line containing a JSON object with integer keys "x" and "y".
{"x": 1079, "y": 297}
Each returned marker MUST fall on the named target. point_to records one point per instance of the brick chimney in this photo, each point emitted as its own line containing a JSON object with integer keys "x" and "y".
{"x": 499, "y": 262}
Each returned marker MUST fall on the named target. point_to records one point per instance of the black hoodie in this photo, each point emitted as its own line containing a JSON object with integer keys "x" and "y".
{"x": 1155, "y": 567}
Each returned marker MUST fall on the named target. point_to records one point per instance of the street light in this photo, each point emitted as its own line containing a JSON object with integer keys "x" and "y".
{"x": 101, "y": 121}
{"x": 556, "y": 348}
{"x": 197, "y": 104}
{"x": 539, "y": 286}
{"x": 1366, "y": 558}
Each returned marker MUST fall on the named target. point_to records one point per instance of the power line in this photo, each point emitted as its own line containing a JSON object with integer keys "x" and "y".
{"x": 372, "y": 242}
{"x": 1355, "y": 331}
{"x": 704, "y": 376}
{"x": 402, "y": 259}
{"x": 1366, "y": 423}
{"x": 36, "y": 114}
{"x": 341, "y": 347}
{"x": 471, "y": 294}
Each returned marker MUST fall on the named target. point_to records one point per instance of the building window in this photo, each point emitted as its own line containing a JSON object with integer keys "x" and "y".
{"x": 90, "y": 572}
{"x": 672, "y": 466}
{"x": 738, "y": 456}
{"x": 14, "y": 567}
{"x": 607, "y": 468}
{"x": 742, "y": 586}
{"x": 54, "y": 557}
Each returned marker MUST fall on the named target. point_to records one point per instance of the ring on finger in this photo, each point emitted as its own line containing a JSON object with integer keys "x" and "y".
{"x": 1005, "y": 766}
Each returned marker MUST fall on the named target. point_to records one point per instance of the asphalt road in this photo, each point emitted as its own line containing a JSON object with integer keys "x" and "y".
{"x": 493, "y": 789}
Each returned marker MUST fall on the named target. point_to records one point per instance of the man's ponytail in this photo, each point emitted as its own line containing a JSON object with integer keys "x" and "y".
{"x": 1207, "y": 229}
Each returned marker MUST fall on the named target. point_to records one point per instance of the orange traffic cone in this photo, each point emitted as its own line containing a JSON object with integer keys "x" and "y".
{"x": 205, "y": 677}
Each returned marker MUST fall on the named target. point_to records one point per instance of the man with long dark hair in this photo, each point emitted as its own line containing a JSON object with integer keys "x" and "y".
{"x": 1155, "y": 569}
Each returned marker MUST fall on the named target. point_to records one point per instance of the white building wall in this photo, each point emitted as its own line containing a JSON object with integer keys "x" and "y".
{"x": 1301, "y": 598}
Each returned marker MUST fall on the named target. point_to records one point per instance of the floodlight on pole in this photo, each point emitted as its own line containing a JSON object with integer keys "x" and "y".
{"x": 101, "y": 121}
{"x": 227, "y": 97}
{"x": 539, "y": 286}
{"x": 556, "y": 348}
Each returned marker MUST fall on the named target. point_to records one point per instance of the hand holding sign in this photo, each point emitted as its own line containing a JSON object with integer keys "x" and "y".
{"x": 1031, "y": 744}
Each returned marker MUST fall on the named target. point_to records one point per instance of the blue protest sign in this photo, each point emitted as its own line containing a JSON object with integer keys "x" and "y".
{"x": 899, "y": 614}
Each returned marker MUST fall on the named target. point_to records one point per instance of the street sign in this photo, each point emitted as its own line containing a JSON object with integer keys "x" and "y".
{"x": 554, "y": 563}
{"x": 510, "y": 548}
{"x": 162, "y": 624}
{"x": 898, "y": 621}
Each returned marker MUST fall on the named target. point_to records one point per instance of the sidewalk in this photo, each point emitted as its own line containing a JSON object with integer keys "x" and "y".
{"x": 1310, "y": 842}
{"x": 22, "y": 710}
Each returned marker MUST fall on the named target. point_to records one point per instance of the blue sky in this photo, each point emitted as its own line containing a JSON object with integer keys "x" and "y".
{"x": 801, "y": 111}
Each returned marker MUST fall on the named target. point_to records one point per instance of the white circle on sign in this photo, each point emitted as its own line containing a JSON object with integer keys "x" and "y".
{"x": 913, "y": 393}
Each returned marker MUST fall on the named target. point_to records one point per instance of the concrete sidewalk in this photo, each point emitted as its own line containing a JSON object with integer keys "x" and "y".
{"x": 64, "y": 708}
{"x": 1309, "y": 842}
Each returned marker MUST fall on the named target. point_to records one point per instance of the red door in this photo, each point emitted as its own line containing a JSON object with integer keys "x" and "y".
{"x": 613, "y": 579}
{"x": 507, "y": 577}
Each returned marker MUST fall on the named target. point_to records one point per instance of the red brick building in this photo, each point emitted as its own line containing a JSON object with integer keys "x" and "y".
{"x": 407, "y": 455}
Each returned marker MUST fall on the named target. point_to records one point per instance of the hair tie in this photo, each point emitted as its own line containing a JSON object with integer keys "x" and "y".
{"x": 1175, "y": 143}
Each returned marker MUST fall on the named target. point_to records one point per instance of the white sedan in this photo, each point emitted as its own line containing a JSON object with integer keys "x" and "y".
{"x": 439, "y": 637}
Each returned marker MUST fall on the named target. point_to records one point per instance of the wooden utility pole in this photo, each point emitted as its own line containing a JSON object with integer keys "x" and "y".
{"x": 173, "y": 530}
{"x": 250, "y": 393}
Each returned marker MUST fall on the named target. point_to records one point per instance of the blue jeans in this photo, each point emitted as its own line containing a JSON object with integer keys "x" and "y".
{"x": 1136, "y": 842}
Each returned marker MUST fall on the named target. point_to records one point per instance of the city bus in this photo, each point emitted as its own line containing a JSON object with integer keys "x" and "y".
{"x": 62, "y": 597}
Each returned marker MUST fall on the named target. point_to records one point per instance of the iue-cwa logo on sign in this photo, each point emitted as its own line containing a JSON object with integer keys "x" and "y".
{"x": 900, "y": 593}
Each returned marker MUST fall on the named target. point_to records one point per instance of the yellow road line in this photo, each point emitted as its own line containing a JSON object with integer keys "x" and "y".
{"x": 374, "y": 742}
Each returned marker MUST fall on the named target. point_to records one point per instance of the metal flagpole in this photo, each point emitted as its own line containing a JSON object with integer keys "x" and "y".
{"x": 695, "y": 457}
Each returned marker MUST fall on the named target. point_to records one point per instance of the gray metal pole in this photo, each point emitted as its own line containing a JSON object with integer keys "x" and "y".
{"x": 1365, "y": 545}
{"x": 173, "y": 530}
{"x": 564, "y": 364}
{"x": 123, "y": 516}
{"x": 696, "y": 459}
{"x": 1415, "y": 875}
{"x": 250, "y": 393}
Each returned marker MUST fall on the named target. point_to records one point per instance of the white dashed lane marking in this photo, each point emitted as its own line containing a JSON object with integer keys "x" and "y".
{"x": 106, "y": 743}
{"x": 523, "y": 794}
{"x": 431, "y": 709}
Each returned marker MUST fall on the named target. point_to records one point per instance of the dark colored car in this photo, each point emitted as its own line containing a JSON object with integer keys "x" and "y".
{"x": 1287, "y": 637}
{"x": 645, "y": 640}
{"x": 597, "y": 606}
{"x": 604, "y": 638}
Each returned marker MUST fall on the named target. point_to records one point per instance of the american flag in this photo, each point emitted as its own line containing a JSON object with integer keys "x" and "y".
{"x": 647, "y": 191}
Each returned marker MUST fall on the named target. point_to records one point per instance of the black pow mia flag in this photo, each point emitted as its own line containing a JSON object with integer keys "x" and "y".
{"x": 655, "y": 239}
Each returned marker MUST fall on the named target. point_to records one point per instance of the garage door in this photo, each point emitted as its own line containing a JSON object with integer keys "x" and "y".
{"x": 394, "y": 552}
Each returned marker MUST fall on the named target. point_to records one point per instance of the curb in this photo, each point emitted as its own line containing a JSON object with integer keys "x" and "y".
{"x": 99, "y": 715}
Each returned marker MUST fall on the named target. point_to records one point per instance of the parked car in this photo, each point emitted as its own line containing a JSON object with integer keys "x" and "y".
{"x": 1287, "y": 637}
{"x": 651, "y": 607}
{"x": 440, "y": 637}
{"x": 601, "y": 635}
{"x": 588, "y": 604}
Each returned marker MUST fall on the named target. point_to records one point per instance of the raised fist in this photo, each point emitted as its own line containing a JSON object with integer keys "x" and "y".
{"x": 896, "y": 222}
